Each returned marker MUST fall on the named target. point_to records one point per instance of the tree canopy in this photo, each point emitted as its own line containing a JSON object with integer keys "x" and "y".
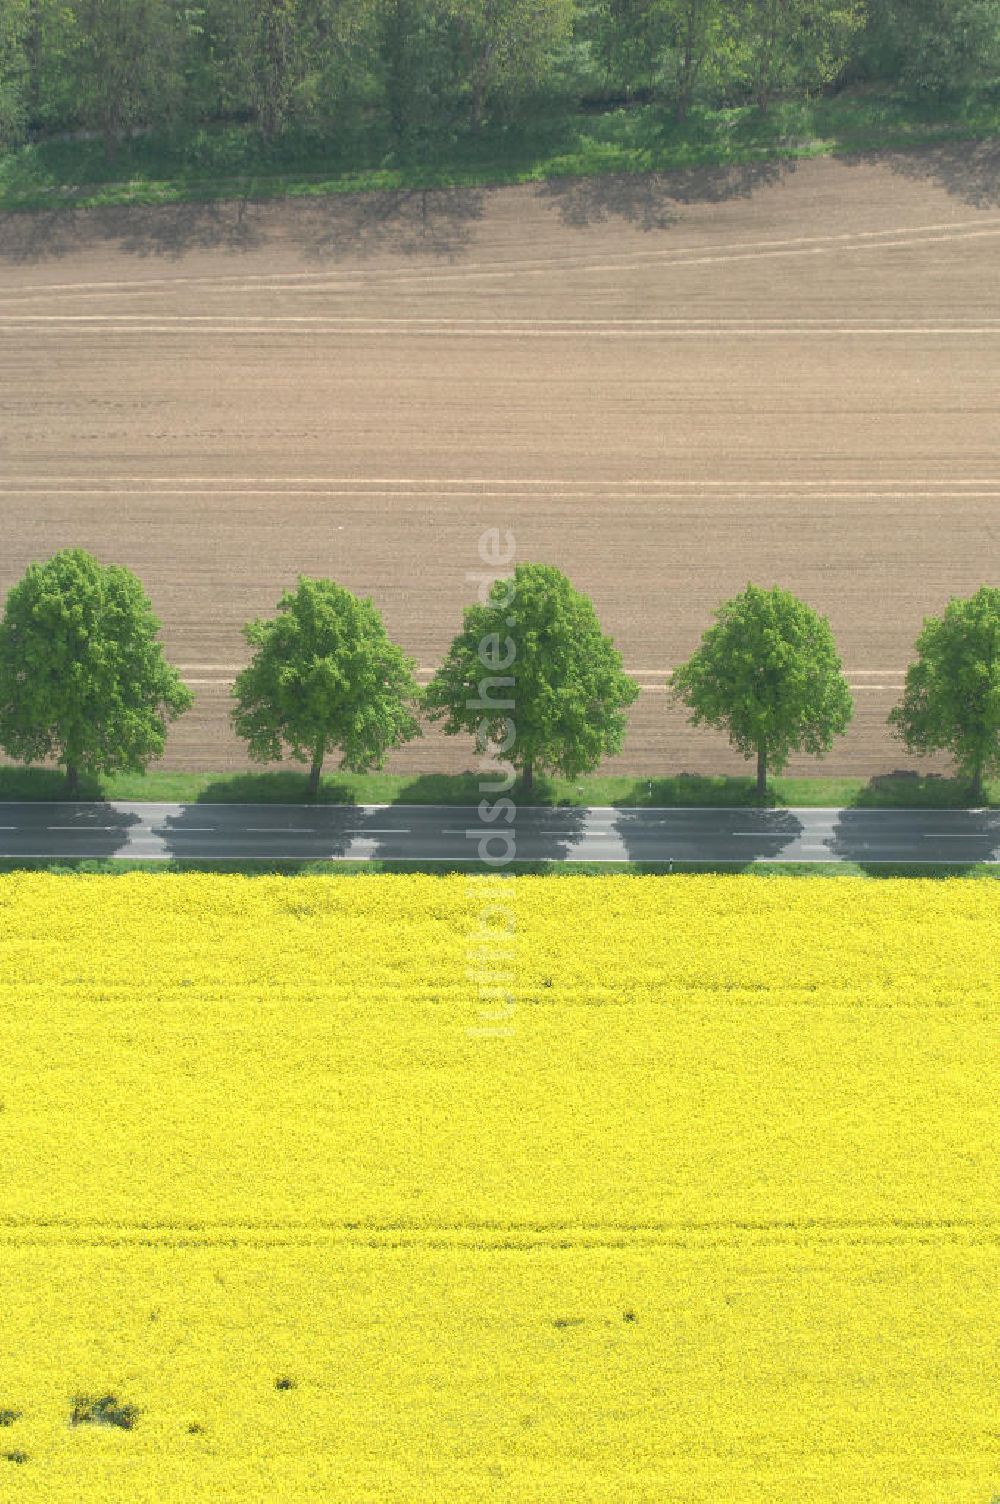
{"x": 767, "y": 673}
{"x": 533, "y": 677}
{"x": 353, "y": 79}
{"x": 83, "y": 678}
{"x": 951, "y": 701}
{"x": 324, "y": 676}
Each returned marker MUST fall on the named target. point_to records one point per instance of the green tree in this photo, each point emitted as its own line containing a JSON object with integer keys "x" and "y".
{"x": 803, "y": 43}
{"x": 951, "y": 701}
{"x": 768, "y": 674}
{"x": 324, "y": 675}
{"x": 507, "y": 45}
{"x": 939, "y": 49}
{"x": 630, "y": 36}
{"x": 128, "y": 64}
{"x": 532, "y": 675}
{"x": 415, "y": 56}
{"x": 693, "y": 30}
{"x": 83, "y": 678}
{"x": 15, "y": 19}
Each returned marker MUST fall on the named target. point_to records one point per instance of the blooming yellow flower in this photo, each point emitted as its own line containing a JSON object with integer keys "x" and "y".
{"x": 705, "y": 1208}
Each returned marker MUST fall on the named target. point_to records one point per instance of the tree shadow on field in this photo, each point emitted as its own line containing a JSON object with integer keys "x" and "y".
{"x": 28, "y": 235}
{"x": 168, "y": 230}
{"x": 652, "y": 201}
{"x": 435, "y": 222}
{"x": 403, "y": 222}
{"x": 969, "y": 170}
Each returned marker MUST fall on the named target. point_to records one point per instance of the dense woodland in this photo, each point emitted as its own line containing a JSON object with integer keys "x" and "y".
{"x": 417, "y": 72}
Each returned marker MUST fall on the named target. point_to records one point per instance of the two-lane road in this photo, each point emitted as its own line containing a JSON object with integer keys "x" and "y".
{"x": 449, "y": 833}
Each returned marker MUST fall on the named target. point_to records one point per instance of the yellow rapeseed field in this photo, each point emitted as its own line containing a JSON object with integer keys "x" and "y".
{"x": 568, "y": 1190}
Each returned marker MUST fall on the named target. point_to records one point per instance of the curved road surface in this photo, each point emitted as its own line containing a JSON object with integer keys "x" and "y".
{"x": 450, "y": 833}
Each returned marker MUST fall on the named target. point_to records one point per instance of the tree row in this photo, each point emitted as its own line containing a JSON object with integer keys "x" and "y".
{"x": 531, "y": 676}
{"x": 412, "y": 71}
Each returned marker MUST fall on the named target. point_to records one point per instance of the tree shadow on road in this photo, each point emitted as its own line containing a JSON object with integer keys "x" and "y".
{"x": 652, "y": 200}
{"x": 295, "y": 828}
{"x": 773, "y": 830}
{"x": 980, "y": 840}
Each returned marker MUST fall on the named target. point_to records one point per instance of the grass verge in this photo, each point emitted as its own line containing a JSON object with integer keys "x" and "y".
{"x": 887, "y": 791}
{"x": 234, "y": 162}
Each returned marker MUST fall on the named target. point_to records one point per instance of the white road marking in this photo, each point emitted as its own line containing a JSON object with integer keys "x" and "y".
{"x": 85, "y": 827}
{"x": 276, "y": 830}
{"x": 789, "y": 835}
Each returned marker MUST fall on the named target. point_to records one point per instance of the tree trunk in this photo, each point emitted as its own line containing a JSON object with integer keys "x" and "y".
{"x": 34, "y": 53}
{"x": 477, "y": 98}
{"x": 528, "y": 777}
{"x": 761, "y": 772}
{"x": 72, "y": 781}
{"x": 977, "y": 785}
{"x": 685, "y": 82}
{"x": 314, "y": 773}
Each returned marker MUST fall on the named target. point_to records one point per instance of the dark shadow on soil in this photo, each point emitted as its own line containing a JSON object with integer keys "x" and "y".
{"x": 970, "y": 170}
{"x": 406, "y": 222}
{"x": 433, "y": 222}
{"x": 651, "y": 200}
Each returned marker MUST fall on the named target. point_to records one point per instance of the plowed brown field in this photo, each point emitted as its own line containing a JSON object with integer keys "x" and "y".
{"x": 667, "y": 386}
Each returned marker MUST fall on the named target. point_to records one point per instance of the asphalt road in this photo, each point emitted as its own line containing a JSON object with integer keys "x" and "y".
{"x": 449, "y": 833}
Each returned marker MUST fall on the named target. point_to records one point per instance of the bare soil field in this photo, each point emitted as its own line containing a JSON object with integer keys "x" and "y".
{"x": 666, "y": 385}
